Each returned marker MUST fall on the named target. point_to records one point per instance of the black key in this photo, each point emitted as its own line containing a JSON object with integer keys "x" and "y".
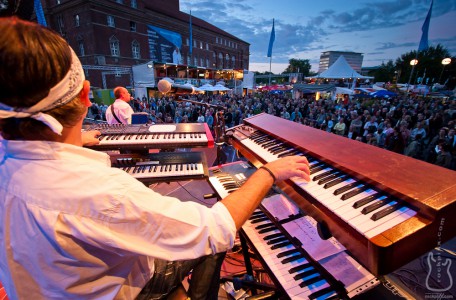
{"x": 335, "y": 181}
{"x": 267, "y": 229}
{"x": 354, "y": 192}
{"x": 329, "y": 178}
{"x": 257, "y": 216}
{"x": 386, "y": 211}
{"x": 280, "y": 245}
{"x": 310, "y": 281}
{"x": 265, "y": 226}
{"x": 255, "y": 213}
{"x": 299, "y": 268}
{"x": 291, "y": 258}
{"x": 324, "y": 174}
{"x": 374, "y": 206}
{"x": 277, "y": 240}
{"x": 265, "y": 218}
{"x": 305, "y": 274}
{"x": 286, "y": 253}
{"x": 366, "y": 200}
{"x": 346, "y": 188}
{"x": 317, "y": 167}
{"x": 272, "y": 236}
{"x": 322, "y": 292}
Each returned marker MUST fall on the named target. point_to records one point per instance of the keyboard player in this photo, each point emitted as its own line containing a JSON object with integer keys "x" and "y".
{"x": 95, "y": 231}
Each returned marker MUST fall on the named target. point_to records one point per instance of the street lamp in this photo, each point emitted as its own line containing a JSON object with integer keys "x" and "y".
{"x": 445, "y": 62}
{"x": 413, "y": 63}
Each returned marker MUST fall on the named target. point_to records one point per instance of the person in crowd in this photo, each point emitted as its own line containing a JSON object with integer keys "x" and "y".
{"x": 444, "y": 157}
{"x": 339, "y": 128}
{"x": 81, "y": 229}
{"x": 120, "y": 111}
{"x": 395, "y": 141}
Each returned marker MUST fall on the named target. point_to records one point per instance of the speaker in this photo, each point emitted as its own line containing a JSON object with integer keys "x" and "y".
{"x": 140, "y": 118}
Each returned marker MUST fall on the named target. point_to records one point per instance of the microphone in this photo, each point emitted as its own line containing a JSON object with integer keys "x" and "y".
{"x": 180, "y": 99}
{"x": 166, "y": 86}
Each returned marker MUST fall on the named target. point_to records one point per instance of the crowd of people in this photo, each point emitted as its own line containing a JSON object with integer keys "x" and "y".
{"x": 422, "y": 128}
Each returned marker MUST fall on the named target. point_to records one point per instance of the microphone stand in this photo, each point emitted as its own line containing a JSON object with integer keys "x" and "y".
{"x": 219, "y": 128}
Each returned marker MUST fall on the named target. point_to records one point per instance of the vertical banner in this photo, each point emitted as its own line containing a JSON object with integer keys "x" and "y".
{"x": 271, "y": 40}
{"x": 424, "y": 42}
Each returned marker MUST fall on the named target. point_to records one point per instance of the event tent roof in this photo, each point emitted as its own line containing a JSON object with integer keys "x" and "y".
{"x": 341, "y": 69}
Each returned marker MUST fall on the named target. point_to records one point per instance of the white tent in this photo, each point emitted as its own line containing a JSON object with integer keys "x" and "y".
{"x": 340, "y": 69}
{"x": 207, "y": 88}
{"x": 219, "y": 87}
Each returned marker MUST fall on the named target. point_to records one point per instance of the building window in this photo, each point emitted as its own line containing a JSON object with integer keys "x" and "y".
{"x": 195, "y": 45}
{"x": 207, "y": 63}
{"x": 60, "y": 24}
{"x": 207, "y": 46}
{"x": 134, "y": 4}
{"x": 233, "y": 61}
{"x": 111, "y": 22}
{"x": 216, "y": 39}
{"x": 227, "y": 57}
{"x": 187, "y": 41}
{"x": 202, "y": 62}
{"x": 189, "y": 60}
{"x": 114, "y": 46}
{"x": 76, "y": 21}
{"x": 132, "y": 26}
{"x": 220, "y": 61}
{"x": 135, "y": 49}
{"x": 201, "y": 45}
{"x": 81, "y": 47}
{"x": 195, "y": 61}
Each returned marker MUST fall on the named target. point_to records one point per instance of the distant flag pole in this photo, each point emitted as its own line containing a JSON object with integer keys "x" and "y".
{"x": 39, "y": 13}
{"x": 424, "y": 42}
{"x": 271, "y": 43}
{"x": 190, "y": 39}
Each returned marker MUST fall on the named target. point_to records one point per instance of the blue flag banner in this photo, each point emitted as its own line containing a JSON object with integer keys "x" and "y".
{"x": 424, "y": 43}
{"x": 271, "y": 40}
{"x": 191, "y": 38}
{"x": 39, "y": 13}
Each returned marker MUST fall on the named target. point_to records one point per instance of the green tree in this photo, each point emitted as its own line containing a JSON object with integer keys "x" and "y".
{"x": 385, "y": 72}
{"x": 298, "y": 66}
{"x": 428, "y": 68}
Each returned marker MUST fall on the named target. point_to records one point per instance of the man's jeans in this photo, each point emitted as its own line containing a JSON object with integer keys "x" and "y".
{"x": 168, "y": 275}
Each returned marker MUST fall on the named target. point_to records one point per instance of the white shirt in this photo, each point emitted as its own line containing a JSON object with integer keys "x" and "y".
{"x": 72, "y": 227}
{"x": 122, "y": 110}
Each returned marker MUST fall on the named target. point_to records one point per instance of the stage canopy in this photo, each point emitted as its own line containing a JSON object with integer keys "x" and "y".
{"x": 340, "y": 69}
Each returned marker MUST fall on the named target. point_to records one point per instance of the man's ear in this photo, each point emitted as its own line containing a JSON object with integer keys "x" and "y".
{"x": 84, "y": 94}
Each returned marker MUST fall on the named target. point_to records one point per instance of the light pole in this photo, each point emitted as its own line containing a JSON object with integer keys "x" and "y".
{"x": 413, "y": 63}
{"x": 445, "y": 62}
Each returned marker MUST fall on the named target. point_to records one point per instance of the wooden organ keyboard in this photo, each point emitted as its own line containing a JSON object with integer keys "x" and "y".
{"x": 145, "y": 136}
{"x": 163, "y": 166}
{"x": 385, "y": 208}
{"x": 288, "y": 246}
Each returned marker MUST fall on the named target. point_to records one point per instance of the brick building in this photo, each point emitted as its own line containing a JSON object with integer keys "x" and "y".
{"x": 110, "y": 36}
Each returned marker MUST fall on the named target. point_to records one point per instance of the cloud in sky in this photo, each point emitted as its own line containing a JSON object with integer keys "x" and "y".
{"x": 381, "y": 30}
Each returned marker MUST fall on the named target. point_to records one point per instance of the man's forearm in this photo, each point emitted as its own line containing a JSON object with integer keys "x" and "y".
{"x": 245, "y": 200}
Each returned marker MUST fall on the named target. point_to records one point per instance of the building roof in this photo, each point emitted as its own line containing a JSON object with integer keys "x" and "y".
{"x": 184, "y": 17}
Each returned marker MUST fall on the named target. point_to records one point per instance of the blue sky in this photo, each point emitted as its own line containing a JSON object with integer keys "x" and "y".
{"x": 381, "y": 30}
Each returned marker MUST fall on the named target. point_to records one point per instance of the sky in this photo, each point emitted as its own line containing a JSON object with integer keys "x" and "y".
{"x": 381, "y": 30}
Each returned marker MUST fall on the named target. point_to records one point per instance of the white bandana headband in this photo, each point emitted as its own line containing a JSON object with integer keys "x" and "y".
{"x": 62, "y": 93}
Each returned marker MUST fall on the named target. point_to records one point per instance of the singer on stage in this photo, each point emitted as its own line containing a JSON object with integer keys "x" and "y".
{"x": 120, "y": 111}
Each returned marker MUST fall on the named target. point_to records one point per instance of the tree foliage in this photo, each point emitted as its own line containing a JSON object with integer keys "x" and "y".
{"x": 429, "y": 65}
{"x": 298, "y": 66}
